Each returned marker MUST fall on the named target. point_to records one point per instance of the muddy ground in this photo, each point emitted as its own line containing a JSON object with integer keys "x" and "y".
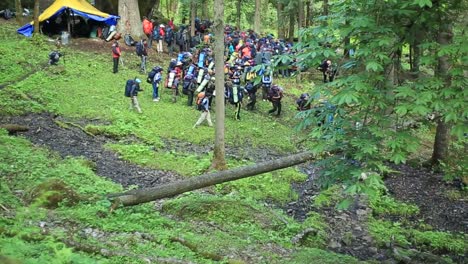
{"x": 417, "y": 186}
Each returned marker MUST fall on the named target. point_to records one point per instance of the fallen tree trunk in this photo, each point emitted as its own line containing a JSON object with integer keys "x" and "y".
{"x": 139, "y": 196}
{"x": 14, "y": 128}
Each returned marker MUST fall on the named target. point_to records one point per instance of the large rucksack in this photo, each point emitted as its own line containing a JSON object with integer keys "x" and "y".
{"x": 169, "y": 35}
{"x": 139, "y": 48}
{"x": 152, "y": 73}
{"x": 156, "y": 35}
{"x": 128, "y": 88}
{"x": 129, "y": 40}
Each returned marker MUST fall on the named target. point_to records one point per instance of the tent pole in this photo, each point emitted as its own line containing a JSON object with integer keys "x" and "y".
{"x": 68, "y": 20}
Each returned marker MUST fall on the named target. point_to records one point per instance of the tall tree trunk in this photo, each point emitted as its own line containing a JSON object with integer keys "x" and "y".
{"x": 280, "y": 19}
{"x": 135, "y": 197}
{"x": 19, "y": 12}
{"x": 325, "y": 7}
{"x": 219, "y": 161}
{"x": 36, "y": 16}
{"x": 193, "y": 15}
{"x": 292, "y": 20}
{"x": 204, "y": 9}
{"x": 300, "y": 18}
{"x": 238, "y": 14}
{"x": 130, "y": 20}
{"x": 442, "y": 137}
{"x": 258, "y": 15}
{"x": 308, "y": 17}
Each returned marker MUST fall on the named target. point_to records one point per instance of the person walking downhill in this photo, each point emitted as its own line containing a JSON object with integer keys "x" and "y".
{"x": 142, "y": 52}
{"x": 116, "y": 55}
{"x": 131, "y": 90}
{"x": 203, "y": 105}
{"x": 275, "y": 95}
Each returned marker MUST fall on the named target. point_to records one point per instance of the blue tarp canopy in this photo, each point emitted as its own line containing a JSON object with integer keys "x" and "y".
{"x": 78, "y": 7}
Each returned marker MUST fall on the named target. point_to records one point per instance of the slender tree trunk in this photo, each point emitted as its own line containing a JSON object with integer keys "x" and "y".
{"x": 308, "y": 17}
{"x": 219, "y": 161}
{"x": 193, "y": 15}
{"x": 280, "y": 19}
{"x": 300, "y": 18}
{"x": 238, "y": 14}
{"x": 292, "y": 20}
{"x": 258, "y": 15}
{"x": 204, "y": 9}
{"x": 130, "y": 20}
{"x": 19, "y": 12}
{"x": 36, "y": 16}
{"x": 135, "y": 197}
{"x": 442, "y": 137}
{"x": 325, "y": 7}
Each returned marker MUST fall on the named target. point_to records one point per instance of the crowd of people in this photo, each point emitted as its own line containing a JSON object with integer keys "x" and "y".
{"x": 248, "y": 67}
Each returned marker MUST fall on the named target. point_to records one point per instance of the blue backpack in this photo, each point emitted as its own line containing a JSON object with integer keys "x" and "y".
{"x": 169, "y": 35}
{"x": 156, "y": 35}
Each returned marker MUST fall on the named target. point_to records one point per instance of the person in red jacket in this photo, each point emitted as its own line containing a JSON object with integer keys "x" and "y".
{"x": 116, "y": 55}
{"x": 148, "y": 30}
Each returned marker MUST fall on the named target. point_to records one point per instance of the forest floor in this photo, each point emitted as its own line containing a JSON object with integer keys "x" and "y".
{"x": 417, "y": 186}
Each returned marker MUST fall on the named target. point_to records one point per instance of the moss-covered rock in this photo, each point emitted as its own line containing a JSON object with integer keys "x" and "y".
{"x": 51, "y": 193}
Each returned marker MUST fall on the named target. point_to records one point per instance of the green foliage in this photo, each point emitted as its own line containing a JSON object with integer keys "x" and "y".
{"x": 386, "y": 205}
{"x": 385, "y": 232}
{"x": 328, "y": 197}
{"x": 274, "y": 186}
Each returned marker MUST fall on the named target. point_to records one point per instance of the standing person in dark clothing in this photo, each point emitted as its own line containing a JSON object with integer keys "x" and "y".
{"x": 327, "y": 71}
{"x": 275, "y": 95}
{"x": 252, "y": 92}
{"x": 142, "y": 52}
{"x": 116, "y": 55}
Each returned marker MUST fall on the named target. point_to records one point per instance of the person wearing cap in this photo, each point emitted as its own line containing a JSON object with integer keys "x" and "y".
{"x": 133, "y": 95}
{"x": 159, "y": 46}
{"x": 115, "y": 56}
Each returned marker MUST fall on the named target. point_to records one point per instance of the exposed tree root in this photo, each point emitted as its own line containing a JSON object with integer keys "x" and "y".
{"x": 302, "y": 236}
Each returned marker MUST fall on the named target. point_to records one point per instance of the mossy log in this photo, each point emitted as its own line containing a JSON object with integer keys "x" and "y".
{"x": 139, "y": 196}
{"x": 14, "y": 128}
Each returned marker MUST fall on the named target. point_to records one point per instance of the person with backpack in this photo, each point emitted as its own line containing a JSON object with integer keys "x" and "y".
{"x": 169, "y": 39}
{"x": 116, "y": 56}
{"x": 188, "y": 88}
{"x": 275, "y": 95}
{"x": 267, "y": 79}
{"x": 303, "y": 102}
{"x": 148, "y": 30}
{"x": 327, "y": 71}
{"x": 142, "y": 52}
{"x": 132, "y": 88}
{"x": 203, "y": 105}
{"x": 155, "y": 77}
{"x": 252, "y": 92}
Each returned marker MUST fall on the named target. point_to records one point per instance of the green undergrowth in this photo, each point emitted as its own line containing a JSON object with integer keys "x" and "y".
{"x": 394, "y": 233}
{"x": 227, "y": 225}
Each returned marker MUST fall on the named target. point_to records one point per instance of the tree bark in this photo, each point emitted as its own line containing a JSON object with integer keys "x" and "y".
{"x": 204, "y": 9}
{"x": 36, "y": 16}
{"x": 442, "y": 137}
{"x": 279, "y": 12}
{"x": 19, "y": 12}
{"x": 193, "y": 15}
{"x": 135, "y": 197}
{"x": 292, "y": 20}
{"x": 257, "y": 18}
{"x": 308, "y": 17}
{"x": 219, "y": 161}
{"x": 300, "y": 18}
{"x": 130, "y": 20}
{"x": 238, "y": 14}
{"x": 325, "y": 7}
